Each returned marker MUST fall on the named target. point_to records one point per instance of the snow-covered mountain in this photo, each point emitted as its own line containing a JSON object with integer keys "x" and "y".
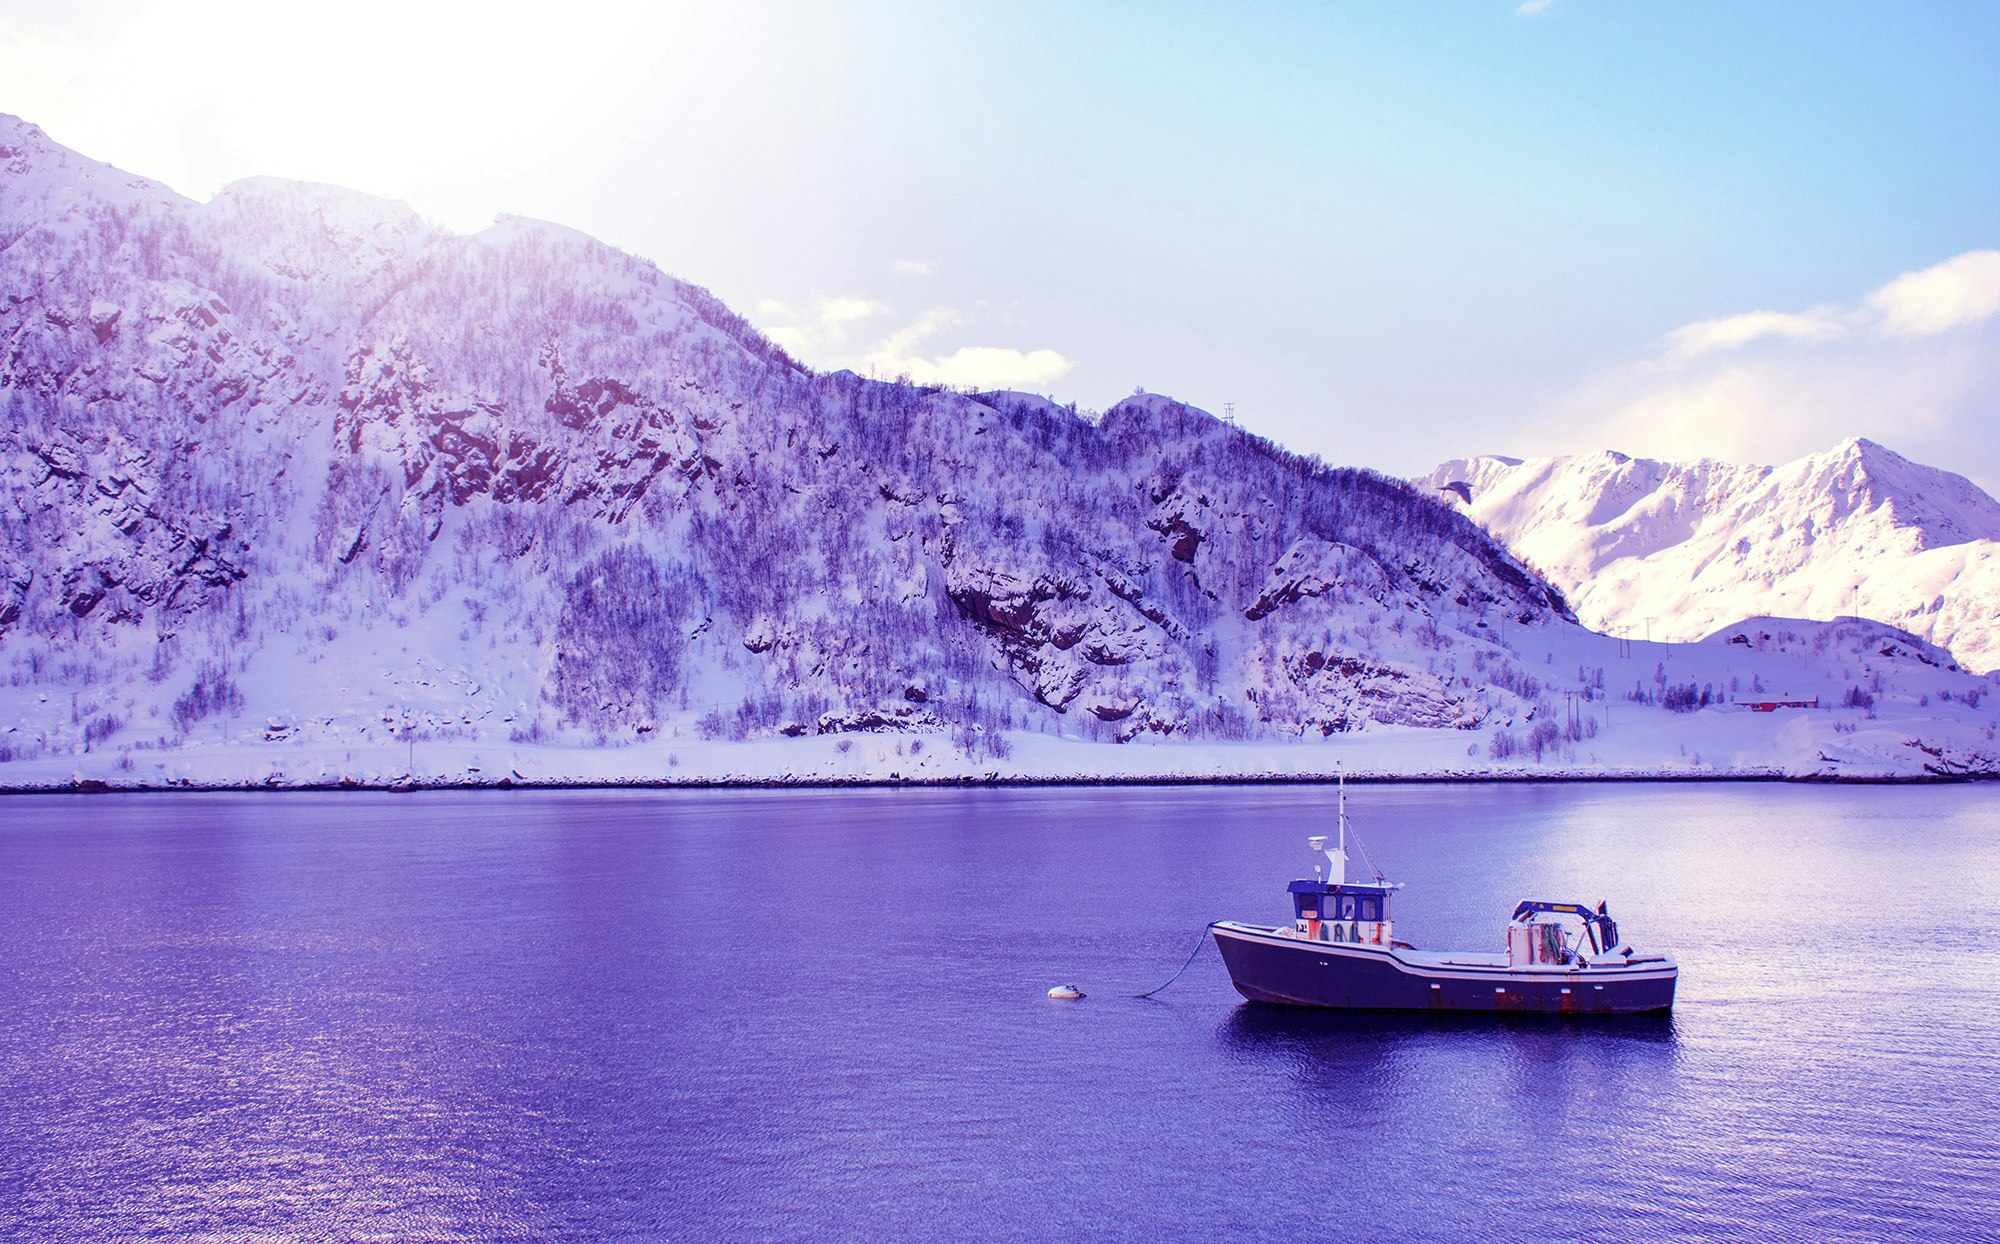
{"x": 1689, "y": 547}
{"x": 294, "y": 482}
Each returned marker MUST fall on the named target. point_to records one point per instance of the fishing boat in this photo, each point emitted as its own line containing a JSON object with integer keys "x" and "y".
{"x": 1341, "y": 951}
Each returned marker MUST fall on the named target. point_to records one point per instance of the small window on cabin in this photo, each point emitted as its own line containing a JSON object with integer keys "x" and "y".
{"x": 1371, "y": 909}
{"x": 1347, "y": 907}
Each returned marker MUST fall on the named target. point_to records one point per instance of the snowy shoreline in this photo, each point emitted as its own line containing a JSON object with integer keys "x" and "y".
{"x": 1899, "y": 741}
{"x": 880, "y": 761}
{"x": 95, "y": 786}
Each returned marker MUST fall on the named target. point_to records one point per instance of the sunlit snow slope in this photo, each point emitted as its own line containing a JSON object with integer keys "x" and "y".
{"x": 1688, "y": 547}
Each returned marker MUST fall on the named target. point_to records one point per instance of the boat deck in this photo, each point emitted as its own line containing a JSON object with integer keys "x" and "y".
{"x": 1431, "y": 959}
{"x": 1274, "y": 964}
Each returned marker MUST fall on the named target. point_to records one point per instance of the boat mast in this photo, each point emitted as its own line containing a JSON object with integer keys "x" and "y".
{"x": 1336, "y": 859}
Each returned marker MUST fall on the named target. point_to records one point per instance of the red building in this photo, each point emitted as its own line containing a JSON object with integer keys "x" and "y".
{"x": 1772, "y": 706}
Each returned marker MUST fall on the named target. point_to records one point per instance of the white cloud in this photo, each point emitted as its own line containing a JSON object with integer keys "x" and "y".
{"x": 1731, "y": 332}
{"x": 1532, "y": 8}
{"x": 1915, "y": 364}
{"x": 1739, "y": 412}
{"x": 822, "y": 335}
{"x": 837, "y": 313}
{"x": 913, "y": 267}
{"x": 902, "y": 344}
{"x": 984, "y": 367}
{"x": 1958, "y": 292}
{"x": 407, "y": 100}
{"x": 990, "y": 367}
{"x": 1780, "y": 404}
{"x": 818, "y": 329}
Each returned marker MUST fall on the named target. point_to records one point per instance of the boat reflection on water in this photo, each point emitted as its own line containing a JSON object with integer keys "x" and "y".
{"x": 1254, "y": 1028}
{"x": 1451, "y": 1085}
{"x": 1439, "y": 1081}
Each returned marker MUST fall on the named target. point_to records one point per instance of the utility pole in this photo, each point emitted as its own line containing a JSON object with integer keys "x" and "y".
{"x": 1229, "y": 413}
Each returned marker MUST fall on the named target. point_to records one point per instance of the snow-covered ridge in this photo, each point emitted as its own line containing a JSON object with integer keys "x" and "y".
{"x": 297, "y": 481}
{"x": 1687, "y": 547}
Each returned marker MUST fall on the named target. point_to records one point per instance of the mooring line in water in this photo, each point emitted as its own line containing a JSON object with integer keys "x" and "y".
{"x": 1199, "y": 943}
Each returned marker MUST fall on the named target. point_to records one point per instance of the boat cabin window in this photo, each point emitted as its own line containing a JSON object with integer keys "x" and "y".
{"x": 1315, "y": 906}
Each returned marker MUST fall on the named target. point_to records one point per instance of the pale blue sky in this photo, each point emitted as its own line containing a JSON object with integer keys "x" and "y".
{"x": 1389, "y": 233}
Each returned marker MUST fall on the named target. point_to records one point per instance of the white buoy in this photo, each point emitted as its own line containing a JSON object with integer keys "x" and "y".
{"x": 1065, "y": 991}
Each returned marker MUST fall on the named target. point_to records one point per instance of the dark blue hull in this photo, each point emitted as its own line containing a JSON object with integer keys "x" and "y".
{"x": 1266, "y": 966}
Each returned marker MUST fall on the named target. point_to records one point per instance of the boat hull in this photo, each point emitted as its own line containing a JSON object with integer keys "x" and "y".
{"x": 1267, "y": 966}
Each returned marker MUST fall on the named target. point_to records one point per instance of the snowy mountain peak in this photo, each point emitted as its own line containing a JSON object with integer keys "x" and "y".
{"x": 510, "y": 229}
{"x": 311, "y": 231}
{"x": 348, "y": 217}
{"x": 353, "y": 211}
{"x": 1937, "y": 507}
{"x": 1693, "y": 546}
{"x": 1018, "y": 401}
{"x": 1858, "y": 453}
{"x": 1159, "y": 415}
{"x": 17, "y": 132}
{"x": 45, "y": 184}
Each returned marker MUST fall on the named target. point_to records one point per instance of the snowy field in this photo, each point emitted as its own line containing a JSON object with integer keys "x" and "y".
{"x": 1731, "y": 743}
{"x": 1888, "y": 708}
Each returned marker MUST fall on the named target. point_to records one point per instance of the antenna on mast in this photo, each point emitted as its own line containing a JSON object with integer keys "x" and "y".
{"x": 1336, "y": 857}
{"x": 1342, "y": 771}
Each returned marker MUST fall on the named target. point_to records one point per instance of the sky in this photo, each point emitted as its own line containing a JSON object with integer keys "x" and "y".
{"x": 1384, "y": 233}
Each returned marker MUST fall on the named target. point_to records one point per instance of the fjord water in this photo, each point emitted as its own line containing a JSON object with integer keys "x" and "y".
{"x": 820, "y": 1015}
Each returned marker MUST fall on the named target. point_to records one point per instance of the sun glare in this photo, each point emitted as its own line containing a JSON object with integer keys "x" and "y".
{"x": 393, "y": 98}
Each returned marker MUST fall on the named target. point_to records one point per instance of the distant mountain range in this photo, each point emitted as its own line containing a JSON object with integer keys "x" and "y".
{"x": 1681, "y": 549}
{"x": 295, "y": 481}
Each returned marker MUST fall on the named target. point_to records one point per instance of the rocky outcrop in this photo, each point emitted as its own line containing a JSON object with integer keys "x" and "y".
{"x": 1314, "y": 567}
{"x": 888, "y": 719}
{"x": 100, "y": 535}
{"x": 1053, "y": 630}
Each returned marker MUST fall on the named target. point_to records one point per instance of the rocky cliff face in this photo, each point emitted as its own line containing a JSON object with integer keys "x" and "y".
{"x": 1690, "y": 547}
{"x": 296, "y": 456}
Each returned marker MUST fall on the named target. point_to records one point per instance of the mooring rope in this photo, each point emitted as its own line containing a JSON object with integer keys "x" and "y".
{"x": 1199, "y": 943}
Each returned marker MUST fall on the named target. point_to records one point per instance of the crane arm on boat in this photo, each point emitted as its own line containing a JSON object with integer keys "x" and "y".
{"x": 1530, "y": 906}
{"x": 1598, "y": 925}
